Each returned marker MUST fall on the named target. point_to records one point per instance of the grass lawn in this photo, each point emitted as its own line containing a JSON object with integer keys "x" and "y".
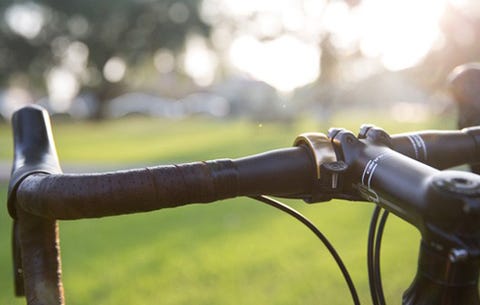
{"x": 230, "y": 252}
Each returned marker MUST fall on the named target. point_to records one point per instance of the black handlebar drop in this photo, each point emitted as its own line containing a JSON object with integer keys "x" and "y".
{"x": 37, "y": 267}
{"x": 463, "y": 81}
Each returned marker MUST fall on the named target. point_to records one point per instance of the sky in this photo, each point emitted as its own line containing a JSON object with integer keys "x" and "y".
{"x": 278, "y": 41}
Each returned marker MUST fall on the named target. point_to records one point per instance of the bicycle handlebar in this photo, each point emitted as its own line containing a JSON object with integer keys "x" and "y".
{"x": 317, "y": 169}
{"x": 284, "y": 173}
{"x": 440, "y": 149}
{"x": 140, "y": 190}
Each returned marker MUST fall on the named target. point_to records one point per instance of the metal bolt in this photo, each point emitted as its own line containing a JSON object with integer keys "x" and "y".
{"x": 334, "y": 180}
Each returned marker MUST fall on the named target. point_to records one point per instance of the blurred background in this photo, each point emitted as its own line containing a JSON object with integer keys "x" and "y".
{"x": 143, "y": 82}
{"x": 270, "y": 60}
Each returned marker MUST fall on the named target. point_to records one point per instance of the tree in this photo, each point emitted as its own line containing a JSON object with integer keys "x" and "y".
{"x": 93, "y": 41}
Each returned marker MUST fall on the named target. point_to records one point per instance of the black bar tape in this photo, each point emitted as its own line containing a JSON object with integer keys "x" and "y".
{"x": 74, "y": 196}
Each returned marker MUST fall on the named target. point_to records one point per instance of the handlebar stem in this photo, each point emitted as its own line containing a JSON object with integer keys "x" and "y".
{"x": 443, "y": 205}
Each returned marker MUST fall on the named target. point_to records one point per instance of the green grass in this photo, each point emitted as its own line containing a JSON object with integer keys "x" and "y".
{"x": 230, "y": 252}
{"x": 140, "y": 140}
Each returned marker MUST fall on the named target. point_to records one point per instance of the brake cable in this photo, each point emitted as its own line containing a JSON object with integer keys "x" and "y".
{"x": 375, "y": 234}
{"x": 297, "y": 215}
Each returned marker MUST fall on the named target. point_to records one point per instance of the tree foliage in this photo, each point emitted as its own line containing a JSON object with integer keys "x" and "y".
{"x": 129, "y": 29}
